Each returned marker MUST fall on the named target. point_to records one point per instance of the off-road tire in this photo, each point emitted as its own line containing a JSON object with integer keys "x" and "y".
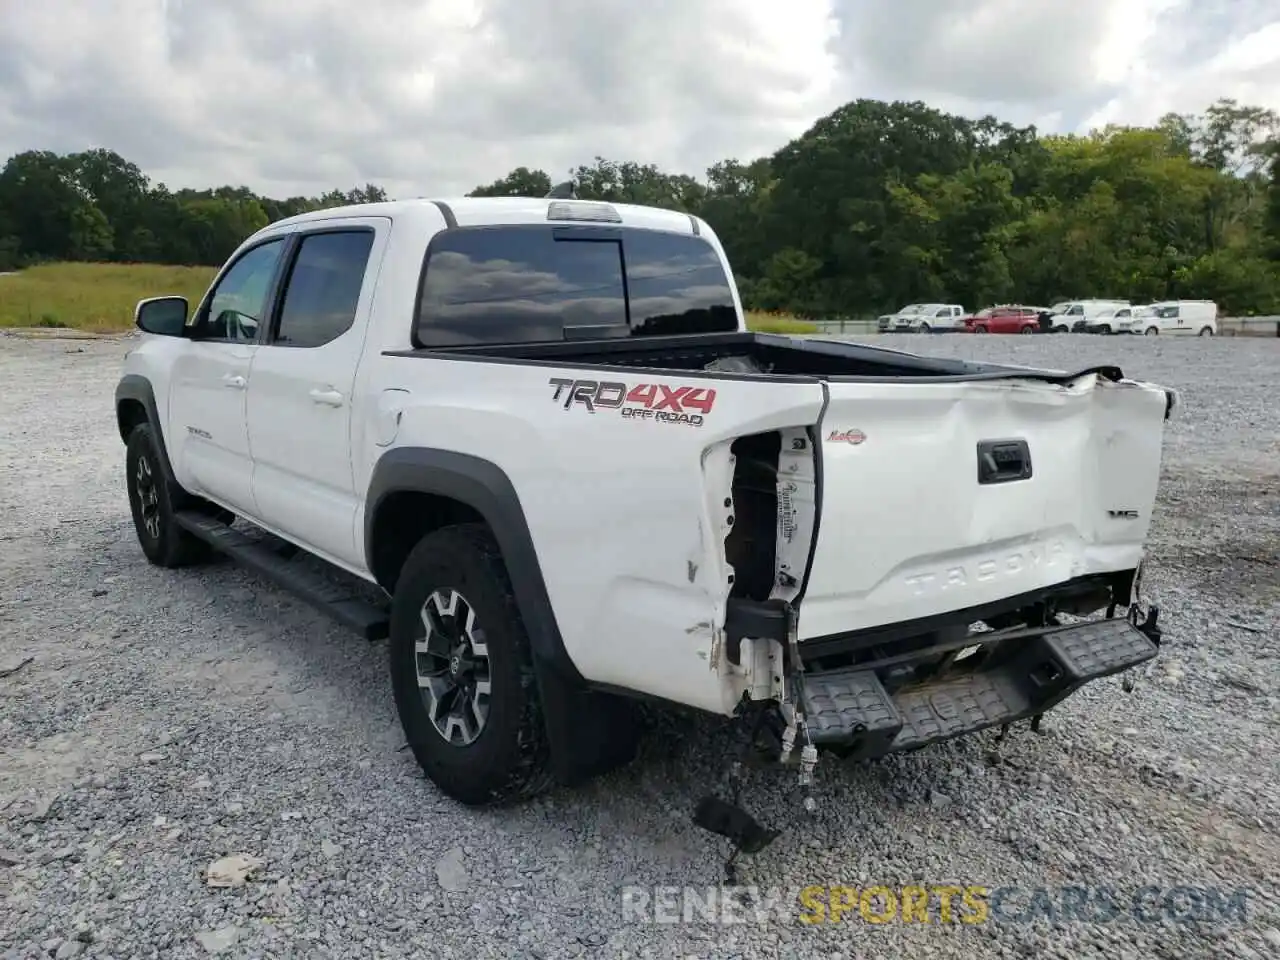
{"x": 153, "y": 501}
{"x": 509, "y": 760}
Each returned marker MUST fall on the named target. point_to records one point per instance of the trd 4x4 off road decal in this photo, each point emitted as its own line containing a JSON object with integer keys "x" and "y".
{"x": 641, "y": 401}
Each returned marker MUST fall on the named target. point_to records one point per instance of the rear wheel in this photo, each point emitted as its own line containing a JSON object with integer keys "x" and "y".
{"x": 153, "y": 501}
{"x": 1105, "y": 328}
{"x": 1206, "y": 332}
{"x": 979, "y": 329}
{"x": 924, "y": 328}
{"x": 1151, "y": 332}
{"x": 1026, "y": 330}
{"x": 1061, "y": 329}
{"x": 462, "y": 672}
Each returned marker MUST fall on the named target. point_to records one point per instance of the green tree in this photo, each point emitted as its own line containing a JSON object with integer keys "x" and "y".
{"x": 520, "y": 182}
{"x": 45, "y": 208}
{"x": 119, "y": 191}
{"x": 874, "y": 205}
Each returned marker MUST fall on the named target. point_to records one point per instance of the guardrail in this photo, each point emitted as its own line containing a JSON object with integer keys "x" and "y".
{"x": 1249, "y": 326}
{"x": 847, "y": 325}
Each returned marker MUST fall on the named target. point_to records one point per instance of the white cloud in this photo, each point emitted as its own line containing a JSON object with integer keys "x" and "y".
{"x": 437, "y": 96}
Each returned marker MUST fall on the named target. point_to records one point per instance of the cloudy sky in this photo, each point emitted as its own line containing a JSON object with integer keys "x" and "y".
{"x": 436, "y": 96}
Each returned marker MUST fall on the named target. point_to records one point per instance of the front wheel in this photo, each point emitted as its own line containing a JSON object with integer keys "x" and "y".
{"x": 1151, "y": 332}
{"x": 153, "y": 501}
{"x": 924, "y": 328}
{"x": 462, "y": 672}
{"x": 1061, "y": 329}
{"x": 979, "y": 329}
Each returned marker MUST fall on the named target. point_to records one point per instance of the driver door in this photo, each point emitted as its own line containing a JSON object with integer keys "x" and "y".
{"x": 207, "y": 389}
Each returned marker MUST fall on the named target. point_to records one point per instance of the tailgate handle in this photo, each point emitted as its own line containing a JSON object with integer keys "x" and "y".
{"x": 1003, "y": 461}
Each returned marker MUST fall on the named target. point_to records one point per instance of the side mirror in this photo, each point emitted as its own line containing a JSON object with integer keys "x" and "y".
{"x": 162, "y": 316}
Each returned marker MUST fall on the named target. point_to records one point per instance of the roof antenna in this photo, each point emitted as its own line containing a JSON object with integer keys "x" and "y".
{"x": 563, "y": 191}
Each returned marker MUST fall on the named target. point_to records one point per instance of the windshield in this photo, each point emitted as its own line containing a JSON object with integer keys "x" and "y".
{"x": 1060, "y": 307}
{"x": 912, "y": 308}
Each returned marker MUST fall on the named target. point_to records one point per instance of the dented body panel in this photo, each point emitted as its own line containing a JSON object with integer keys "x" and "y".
{"x": 909, "y": 529}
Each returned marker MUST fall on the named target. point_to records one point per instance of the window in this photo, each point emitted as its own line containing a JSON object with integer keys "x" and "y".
{"x": 1167, "y": 313}
{"x": 323, "y": 288}
{"x": 676, "y": 284}
{"x": 240, "y": 299}
{"x": 1076, "y": 310}
{"x": 518, "y": 284}
{"x": 526, "y": 283}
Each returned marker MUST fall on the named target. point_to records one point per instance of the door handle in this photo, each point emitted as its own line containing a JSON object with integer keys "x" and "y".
{"x": 234, "y": 381}
{"x": 331, "y": 398}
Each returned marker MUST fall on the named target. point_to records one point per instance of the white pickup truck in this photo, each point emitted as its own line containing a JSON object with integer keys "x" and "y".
{"x": 535, "y": 446}
{"x": 923, "y": 318}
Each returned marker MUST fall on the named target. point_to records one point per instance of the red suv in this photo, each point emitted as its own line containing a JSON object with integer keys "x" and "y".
{"x": 1003, "y": 320}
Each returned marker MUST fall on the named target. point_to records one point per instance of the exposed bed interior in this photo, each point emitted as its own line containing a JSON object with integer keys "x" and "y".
{"x": 728, "y": 353}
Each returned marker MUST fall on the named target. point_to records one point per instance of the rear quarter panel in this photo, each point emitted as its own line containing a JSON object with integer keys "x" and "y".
{"x": 626, "y": 513}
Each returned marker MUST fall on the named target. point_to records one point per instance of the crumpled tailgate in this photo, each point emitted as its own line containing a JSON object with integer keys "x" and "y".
{"x": 940, "y": 496}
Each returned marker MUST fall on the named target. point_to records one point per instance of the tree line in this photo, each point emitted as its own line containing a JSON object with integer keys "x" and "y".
{"x": 876, "y": 205}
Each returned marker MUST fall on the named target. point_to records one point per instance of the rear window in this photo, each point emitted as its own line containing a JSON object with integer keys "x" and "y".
{"x": 528, "y": 283}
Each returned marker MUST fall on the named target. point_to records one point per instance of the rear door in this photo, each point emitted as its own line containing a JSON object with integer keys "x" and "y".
{"x": 963, "y": 493}
{"x": 300, "y": 396}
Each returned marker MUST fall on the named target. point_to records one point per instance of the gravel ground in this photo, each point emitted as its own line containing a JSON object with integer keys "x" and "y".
{"x": 158, "y": 721}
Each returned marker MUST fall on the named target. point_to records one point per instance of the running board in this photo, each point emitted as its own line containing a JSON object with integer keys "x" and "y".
{"x": 366, "y": 619}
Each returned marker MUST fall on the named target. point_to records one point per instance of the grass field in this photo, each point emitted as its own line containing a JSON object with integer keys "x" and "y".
{"x": 100, "y": 297}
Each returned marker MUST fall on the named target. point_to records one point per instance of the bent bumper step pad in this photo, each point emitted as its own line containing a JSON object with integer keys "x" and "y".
{"x": 1019, "y": 676}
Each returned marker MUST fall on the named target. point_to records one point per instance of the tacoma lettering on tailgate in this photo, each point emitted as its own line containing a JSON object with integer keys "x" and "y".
{"x": 982, "y": 571}
{"x": 642, "y": 401}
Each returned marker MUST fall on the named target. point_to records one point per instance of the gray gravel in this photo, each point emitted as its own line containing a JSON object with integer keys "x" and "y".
{"x": 158, "y": 722}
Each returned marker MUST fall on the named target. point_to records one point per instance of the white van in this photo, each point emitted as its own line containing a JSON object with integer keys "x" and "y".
{"x": 1198, "y": 317}
{"x": 1093, "y": 316}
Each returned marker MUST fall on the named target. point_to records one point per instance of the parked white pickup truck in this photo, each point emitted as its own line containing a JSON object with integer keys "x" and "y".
{"x": 924, "y": 318}
{"x": 536, "y": 446}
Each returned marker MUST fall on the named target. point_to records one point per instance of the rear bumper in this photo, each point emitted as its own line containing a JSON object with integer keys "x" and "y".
{"x": 1014, "y": 676}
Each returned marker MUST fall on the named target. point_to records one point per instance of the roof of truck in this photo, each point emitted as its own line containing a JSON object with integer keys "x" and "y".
{"x": 474, "y": 211}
